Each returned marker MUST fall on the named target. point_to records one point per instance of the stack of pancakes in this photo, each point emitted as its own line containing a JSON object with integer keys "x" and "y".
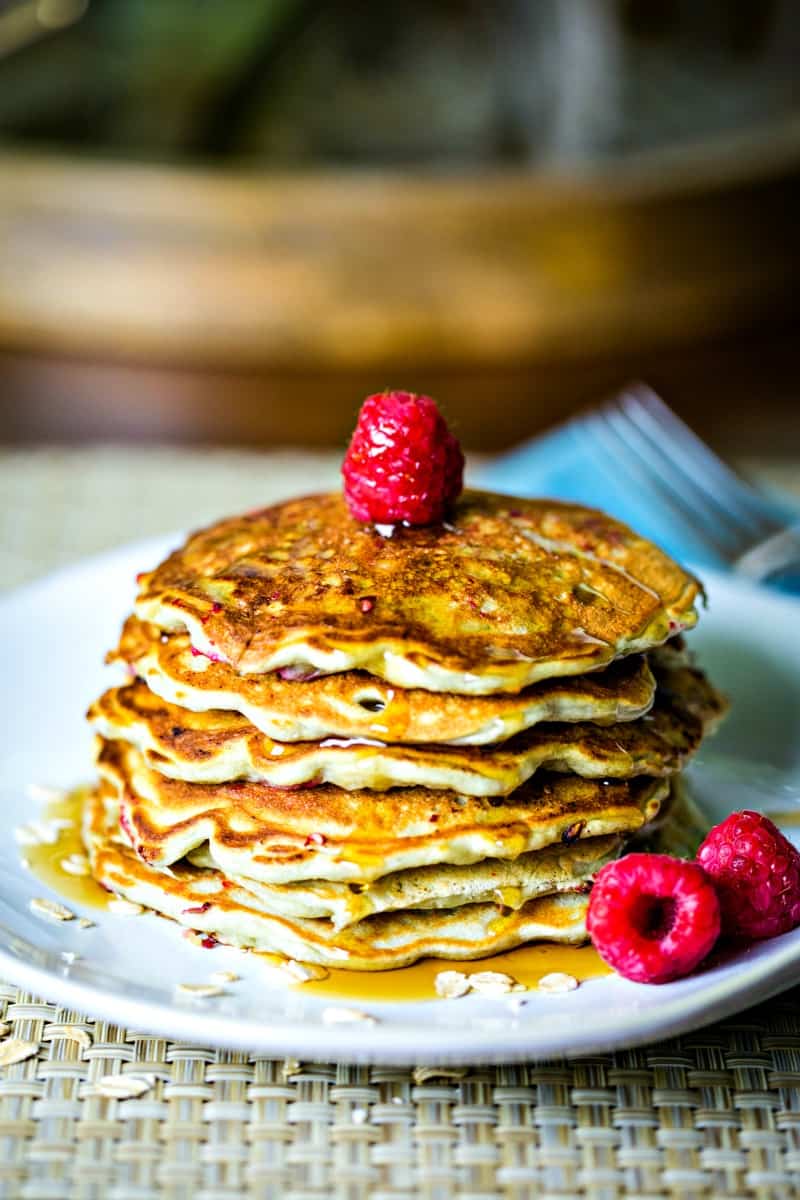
{"x": 359, "y": 745}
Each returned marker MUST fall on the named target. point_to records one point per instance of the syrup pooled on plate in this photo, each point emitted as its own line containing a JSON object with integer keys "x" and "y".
{"x": 46, "y": 858}
{"x": 526, "y": 965}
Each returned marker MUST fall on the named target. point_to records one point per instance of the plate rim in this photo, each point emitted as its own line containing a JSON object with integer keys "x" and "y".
{"x": 376, "y": 1044}
{"x": 767, "y": 974}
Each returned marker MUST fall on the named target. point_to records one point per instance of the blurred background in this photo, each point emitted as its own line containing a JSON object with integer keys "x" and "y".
{"x": 225, "y": 223}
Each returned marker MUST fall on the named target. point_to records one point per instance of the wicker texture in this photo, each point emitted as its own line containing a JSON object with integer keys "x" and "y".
{"x": 713, "y": 1114}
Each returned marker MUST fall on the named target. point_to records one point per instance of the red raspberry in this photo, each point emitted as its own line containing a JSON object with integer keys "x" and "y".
{"x": 756, "y": 872}
{"x": 403, "y": 463}
{"x": 651, "y": 917}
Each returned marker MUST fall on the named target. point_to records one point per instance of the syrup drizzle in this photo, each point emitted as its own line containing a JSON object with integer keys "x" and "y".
{"x": 526, "y": 965}
{"x": 44, "y": 860}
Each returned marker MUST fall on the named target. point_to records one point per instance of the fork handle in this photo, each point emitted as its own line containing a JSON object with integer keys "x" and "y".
{"x": 774, "y": 554}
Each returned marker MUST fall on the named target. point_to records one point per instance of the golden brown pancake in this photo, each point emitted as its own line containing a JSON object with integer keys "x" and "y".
{"x": 205, "y": 900}
{"x": 508, "y": 882}
{"x": 356, "y": 705}
{"x": 279, "y": 835}
{"x": 508, "y": 593}
{"x": 679, "y": 826}
{"x": 689, "y": 688}
{"x": 218, "y": 746}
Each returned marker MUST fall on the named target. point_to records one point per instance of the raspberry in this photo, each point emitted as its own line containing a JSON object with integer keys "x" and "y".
{"x": 756, "y": 872}
{"x": 403, "y": 463}
{"x": 653, "y": 918}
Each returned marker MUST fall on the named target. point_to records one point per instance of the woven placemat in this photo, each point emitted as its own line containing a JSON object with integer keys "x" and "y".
{"x": 716, "y": 1113}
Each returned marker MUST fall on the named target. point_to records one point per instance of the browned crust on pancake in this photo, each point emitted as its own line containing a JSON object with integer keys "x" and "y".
{"x": 354, "y": 704}
{"x": 383, "y": 941}
{"x": 176, "y": 741}
{"x": 518, "y": 589}
{"x": 299, "y": 826}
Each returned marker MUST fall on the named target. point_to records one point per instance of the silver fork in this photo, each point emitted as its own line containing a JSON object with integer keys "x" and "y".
{"x": 645, "y": 440}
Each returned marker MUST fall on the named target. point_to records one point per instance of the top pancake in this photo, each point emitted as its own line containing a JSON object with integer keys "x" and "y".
{"x": 507, "y": 593}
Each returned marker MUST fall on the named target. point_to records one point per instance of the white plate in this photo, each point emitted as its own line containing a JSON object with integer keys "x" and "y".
{"x": 53, "y": 635}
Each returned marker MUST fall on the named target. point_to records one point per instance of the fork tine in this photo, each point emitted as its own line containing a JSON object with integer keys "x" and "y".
{"x": 705, "y": 510}
{"x": 641, "y": 468}
{"x": 734, "y": 495}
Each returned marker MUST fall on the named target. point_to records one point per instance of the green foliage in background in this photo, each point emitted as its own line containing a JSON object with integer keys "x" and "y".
{"x": 459, "y": 81}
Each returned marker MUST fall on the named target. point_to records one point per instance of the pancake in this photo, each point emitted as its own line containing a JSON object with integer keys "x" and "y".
{"x": 356, "y": 705}
{"x": 218, "y": 746}
{"x": 279, "y": 835}
{"x": 507, "y": 882}
{"x": 689, "y": 687}
{"x": 508, "y": 593}
{"x": 197, "y": 897}
{"x": 679, "y": 827}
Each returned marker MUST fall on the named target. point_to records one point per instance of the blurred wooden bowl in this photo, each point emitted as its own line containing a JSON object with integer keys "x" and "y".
{"x": 249, "y": 281}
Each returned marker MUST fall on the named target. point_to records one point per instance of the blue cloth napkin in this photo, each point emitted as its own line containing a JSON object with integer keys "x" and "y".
{"x": 565, "y": 464}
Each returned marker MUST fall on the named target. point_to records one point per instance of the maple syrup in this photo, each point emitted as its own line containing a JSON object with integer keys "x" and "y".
{"x": 45, "y": 858}
{"x": 526, "y": 965}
